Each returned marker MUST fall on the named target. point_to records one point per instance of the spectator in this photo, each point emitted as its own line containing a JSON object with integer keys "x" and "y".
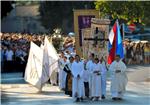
{"x": 9, "y": 59}
{"x": 146, "y": 53}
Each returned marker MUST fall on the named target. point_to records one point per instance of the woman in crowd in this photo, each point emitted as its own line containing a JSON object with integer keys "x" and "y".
{"x": 147, "y": 53}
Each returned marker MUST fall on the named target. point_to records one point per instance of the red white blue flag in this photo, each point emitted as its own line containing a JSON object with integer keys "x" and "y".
{"x": 115, "y": 43}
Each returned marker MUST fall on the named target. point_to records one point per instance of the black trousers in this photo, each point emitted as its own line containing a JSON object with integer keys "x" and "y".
{"x": 8, "y": 66}
{"x": 86, "y": 86}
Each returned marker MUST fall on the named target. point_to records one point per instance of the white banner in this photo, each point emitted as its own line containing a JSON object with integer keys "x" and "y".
{"x": 33, "y": 70}
{"x": 42, "y": 62}
{"x": 50, "y": 58}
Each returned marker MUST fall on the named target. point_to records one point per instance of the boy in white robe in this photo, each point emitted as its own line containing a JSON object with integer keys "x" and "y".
{"x": 96, "y": 80}
{"x": 103, "y": 79}
{"x": 86, "y": 75}
{"x": 89, "y": 66}
{"x": 118, "y": 79}
{"x": 77, "y": 69}
{"x": 62, "y": 73}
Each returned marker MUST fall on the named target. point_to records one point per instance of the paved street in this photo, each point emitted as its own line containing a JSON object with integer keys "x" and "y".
{"x": 17, "y": 92}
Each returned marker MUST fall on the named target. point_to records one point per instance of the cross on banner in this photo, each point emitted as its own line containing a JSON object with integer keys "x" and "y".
{"x": 98, "y": 36}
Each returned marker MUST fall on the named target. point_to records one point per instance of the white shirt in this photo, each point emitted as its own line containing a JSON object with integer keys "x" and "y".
{"x": 89, "y": 65}
{"x": 97, "y": 67}
{"x": 117, "y": 66}
{"x": 86, "y": 75}
{"x": 61, "y": 63}
{"x": 9, "y": 55}
{"x": 77, "y": 68}
{"x": 19, "y": 53}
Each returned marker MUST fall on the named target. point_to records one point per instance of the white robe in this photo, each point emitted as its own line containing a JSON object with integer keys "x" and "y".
{"x": 86, "y": 75}
{"x": 78, "y": 84}
{"x": 62, "y": 74}
{"x": 103, "y": 79}
{"x": 96, "y": 80}
{"x": 118, "y": 80}
{"x": 89, "y": 67}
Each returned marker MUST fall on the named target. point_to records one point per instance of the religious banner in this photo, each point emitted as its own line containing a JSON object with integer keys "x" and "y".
{"x": 82, "y": 20}
{"x": 33, "y": 72}
{"x": 95, "y": 39}
{"x": 50, "y": 58}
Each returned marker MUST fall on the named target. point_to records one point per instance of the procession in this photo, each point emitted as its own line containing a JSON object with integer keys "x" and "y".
{"x": 75, "y": 52}
{"x": 79, "y": 78}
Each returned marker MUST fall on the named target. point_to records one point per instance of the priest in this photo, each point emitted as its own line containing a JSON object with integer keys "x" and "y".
{"x": 67, "y": 69}
{"x": 118, "y": 78}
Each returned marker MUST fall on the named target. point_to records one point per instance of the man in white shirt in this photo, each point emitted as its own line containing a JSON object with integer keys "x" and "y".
{"x": 118, "y": 79}
{"x": 78, "y": 84}
{"x": 9, "y": 59}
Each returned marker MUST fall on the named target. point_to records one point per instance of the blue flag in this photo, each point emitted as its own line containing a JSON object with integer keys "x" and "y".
{"x": 119, "y": 44}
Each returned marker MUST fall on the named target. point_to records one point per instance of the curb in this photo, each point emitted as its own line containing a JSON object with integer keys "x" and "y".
{"x": 9, "y": 86}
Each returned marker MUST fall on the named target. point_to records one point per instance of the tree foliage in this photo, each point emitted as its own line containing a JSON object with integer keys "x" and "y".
{"x": 129, "y": 11}
{"x": 59, "y": 14}
{"x": 6, "y": 8}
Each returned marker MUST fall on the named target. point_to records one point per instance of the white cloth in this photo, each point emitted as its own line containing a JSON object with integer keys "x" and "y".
{"x": 9, "y": 55}
{"x": 73, "y": 54}
{"x": 118, "y": 80}
{"x": 89, "y": 67}
{"x": 50, "y": 61}
{"x": 96, "y": 80}
{"x": 78, "y": 84}
{"x": 67, "y": 55}
{"x": 33, "y": 71}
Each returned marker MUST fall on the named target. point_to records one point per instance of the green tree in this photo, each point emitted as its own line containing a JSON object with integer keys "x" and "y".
{"x": 6, "y": 7}
{"x": 59, "y": 14}
{"x": 128, "y": 11}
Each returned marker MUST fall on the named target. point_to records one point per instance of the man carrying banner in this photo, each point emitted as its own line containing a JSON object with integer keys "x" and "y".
{"x": 117, "y": 67}
{"x": 118, "y": 78}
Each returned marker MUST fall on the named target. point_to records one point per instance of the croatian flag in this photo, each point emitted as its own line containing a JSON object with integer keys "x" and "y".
{"x": 115, "y": 46}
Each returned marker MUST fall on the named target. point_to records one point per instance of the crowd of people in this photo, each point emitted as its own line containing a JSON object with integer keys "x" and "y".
{"x": 87, "y": 78}
{"x": 137, "y": 52}
{"x": 14, "y": 50}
